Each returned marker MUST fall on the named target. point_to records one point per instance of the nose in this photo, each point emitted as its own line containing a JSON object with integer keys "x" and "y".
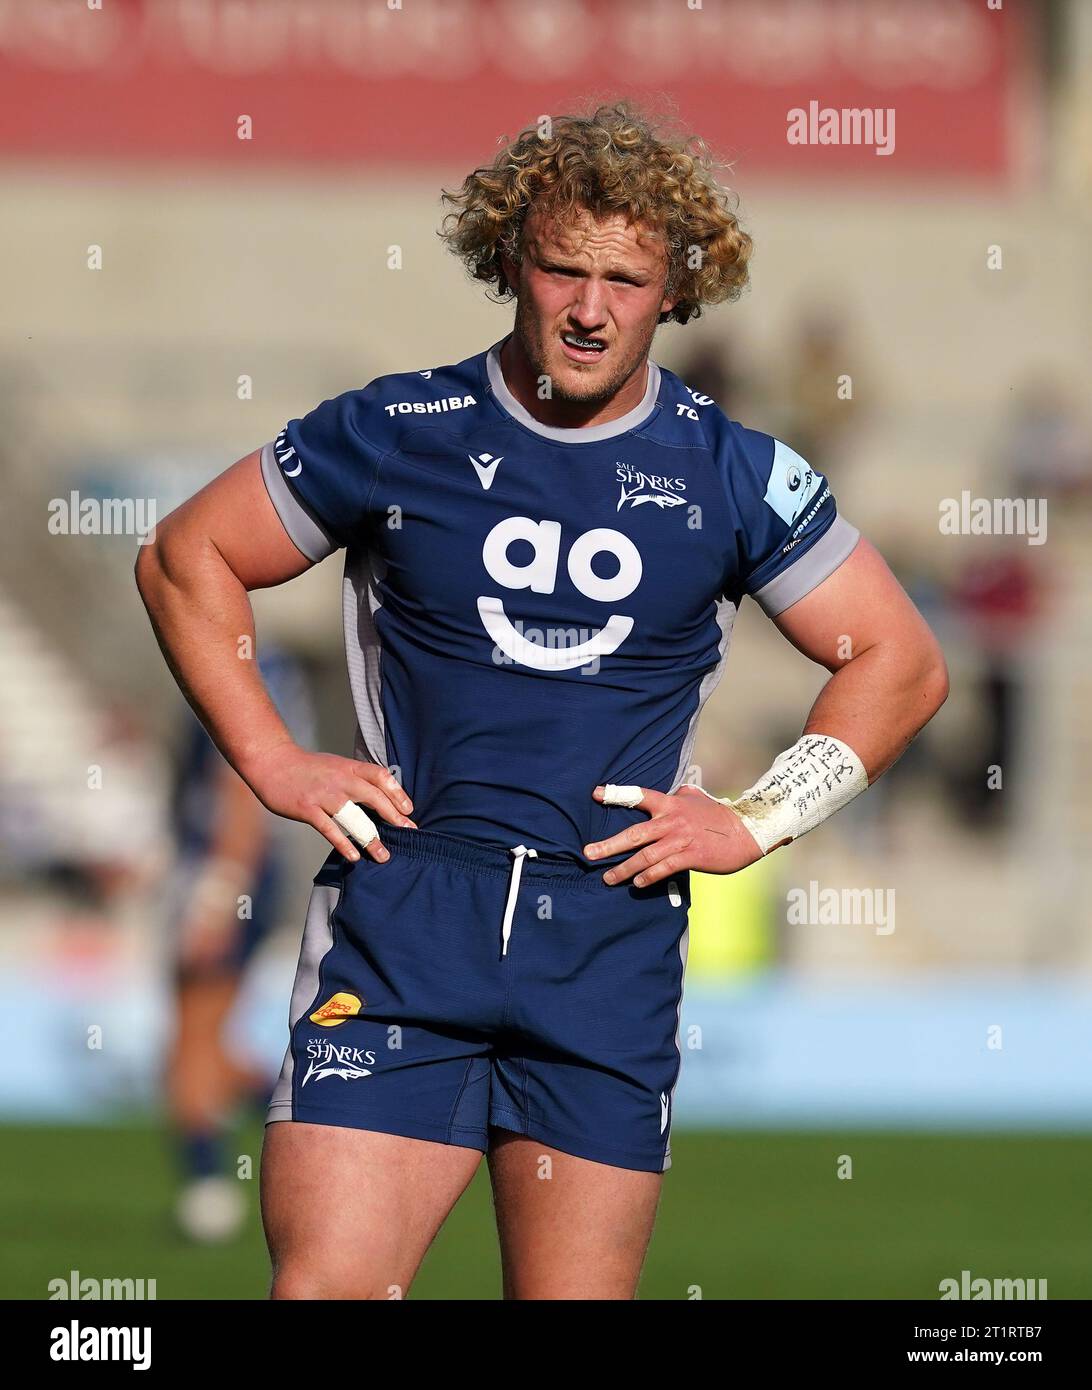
{"x": 588, "y": 311}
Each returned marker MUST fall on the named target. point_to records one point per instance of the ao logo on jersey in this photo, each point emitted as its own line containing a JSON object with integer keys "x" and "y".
{"x": 539, "y": 574}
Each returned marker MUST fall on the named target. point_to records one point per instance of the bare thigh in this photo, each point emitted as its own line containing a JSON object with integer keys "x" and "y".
{"x": 569, "y": 1228}
{"x": 349, "y": 1213}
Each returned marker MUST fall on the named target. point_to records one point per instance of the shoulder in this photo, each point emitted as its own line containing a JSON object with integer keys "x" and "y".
{"x": 742, "y": 456}
{"x": 322, "y": 470}
{"x": 777, "y": 500}
{"x": 376, "y": 416}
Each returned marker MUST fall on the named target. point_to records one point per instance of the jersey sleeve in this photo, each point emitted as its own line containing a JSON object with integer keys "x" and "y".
{"x": 320, "y": 473}
{"x": 789, "y": 536}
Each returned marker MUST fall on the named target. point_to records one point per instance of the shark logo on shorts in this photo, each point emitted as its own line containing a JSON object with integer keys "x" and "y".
{"x": 327, "y": 1059}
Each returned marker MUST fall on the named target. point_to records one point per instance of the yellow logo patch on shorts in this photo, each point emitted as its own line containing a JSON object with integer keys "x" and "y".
{"x": 336, "y": 1010}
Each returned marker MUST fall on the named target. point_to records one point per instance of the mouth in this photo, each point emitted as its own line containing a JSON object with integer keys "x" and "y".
{"x": 579, "y": 348}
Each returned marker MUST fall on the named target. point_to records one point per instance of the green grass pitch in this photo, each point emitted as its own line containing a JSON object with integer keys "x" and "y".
{"x": 743, "y": 1215}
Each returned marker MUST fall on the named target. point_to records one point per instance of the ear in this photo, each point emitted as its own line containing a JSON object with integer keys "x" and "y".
{"x": 511, "y": 271}
{"x": 669, "y": 300}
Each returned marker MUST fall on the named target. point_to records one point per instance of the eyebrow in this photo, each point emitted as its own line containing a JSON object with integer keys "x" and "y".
{"x": 560, "y": 262}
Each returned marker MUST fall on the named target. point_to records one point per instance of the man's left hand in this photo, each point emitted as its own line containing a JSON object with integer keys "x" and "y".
{"x": 686, "y": 830}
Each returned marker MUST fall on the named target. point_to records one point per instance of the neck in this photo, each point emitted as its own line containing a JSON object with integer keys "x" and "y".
{"x": 521, "y": 379}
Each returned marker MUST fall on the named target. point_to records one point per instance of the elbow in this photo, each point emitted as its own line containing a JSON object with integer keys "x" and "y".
{"x": 155, "y": 569}
{"x": 147, "y": 568}
{"x": 935, "y": 684}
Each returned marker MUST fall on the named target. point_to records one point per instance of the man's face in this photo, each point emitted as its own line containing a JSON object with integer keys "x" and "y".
{"x": 587, "y": 282}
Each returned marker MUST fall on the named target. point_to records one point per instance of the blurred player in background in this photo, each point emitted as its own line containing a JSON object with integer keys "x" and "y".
{"x": 223, "y": 903}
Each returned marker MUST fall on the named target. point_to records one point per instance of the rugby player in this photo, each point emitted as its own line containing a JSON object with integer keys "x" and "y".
{"x": 546, "y": 545}
{"x": 222, "y": 902}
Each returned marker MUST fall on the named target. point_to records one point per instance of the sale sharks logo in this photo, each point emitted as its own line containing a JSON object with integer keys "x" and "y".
{"x": 638, "y": 488}
{"x": 328, "y": 1059}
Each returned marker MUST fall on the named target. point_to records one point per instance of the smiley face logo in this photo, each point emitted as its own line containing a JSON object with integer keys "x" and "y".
{"x": 539, "y": 574}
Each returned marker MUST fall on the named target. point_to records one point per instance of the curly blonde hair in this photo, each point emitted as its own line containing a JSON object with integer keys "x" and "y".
{"x": 612, "y": 161}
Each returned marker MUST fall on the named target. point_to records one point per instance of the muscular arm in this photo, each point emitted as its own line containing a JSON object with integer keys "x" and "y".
{"x": 888, "y": 673}
{"x": 888, "y": 679}
{"x": 195, "y": 579}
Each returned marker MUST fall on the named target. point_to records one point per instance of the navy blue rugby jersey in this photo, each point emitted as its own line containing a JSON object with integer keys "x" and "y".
{"x": 531, "y": 610}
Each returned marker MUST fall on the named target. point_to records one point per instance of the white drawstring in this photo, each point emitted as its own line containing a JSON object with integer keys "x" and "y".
{"x": 519, "y": 853}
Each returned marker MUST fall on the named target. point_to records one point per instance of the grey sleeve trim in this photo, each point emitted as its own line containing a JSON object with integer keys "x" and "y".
{"x": 811, "y": 569}
{"x": 306, "y": 534}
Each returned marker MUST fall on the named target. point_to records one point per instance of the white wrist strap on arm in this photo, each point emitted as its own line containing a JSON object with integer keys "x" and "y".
{"x": 807, "y": 783}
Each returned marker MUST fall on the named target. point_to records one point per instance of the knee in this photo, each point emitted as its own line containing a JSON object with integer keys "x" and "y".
{"x": 296, "y": 1282}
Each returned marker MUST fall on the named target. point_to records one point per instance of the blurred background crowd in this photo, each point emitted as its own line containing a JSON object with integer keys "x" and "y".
{"x": 917, "y": 328}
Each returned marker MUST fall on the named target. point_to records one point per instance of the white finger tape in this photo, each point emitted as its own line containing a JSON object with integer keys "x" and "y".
{"x": 356, "y": 823}
{"x": 621, "y": 796}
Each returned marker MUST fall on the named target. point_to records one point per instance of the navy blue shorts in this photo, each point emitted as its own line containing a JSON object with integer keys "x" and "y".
{"x": 459, "y": 986}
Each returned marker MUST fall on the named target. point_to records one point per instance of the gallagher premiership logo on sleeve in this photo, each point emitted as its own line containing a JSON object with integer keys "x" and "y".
{"x": 792, "y": 483}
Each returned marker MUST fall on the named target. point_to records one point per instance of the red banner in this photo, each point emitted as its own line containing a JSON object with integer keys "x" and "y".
{"x": 811, "y": 87}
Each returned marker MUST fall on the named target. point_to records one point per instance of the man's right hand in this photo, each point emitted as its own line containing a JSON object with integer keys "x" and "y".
{"x": 311, "y": 787}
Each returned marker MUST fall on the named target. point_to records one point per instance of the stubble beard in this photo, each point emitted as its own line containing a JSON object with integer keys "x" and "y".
{"x": 598, "y": 390}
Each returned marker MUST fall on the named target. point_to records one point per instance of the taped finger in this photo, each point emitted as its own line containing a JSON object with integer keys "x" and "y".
{"x": 355, "y": 821}
{"x": 622, "y": 796}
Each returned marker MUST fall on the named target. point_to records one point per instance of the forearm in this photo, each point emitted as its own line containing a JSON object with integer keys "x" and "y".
{"x": 865, "y": 716}
{"x": 869, "y": 710}
{"x": 204, "y": 623}
{"x": 877, "y": 702}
